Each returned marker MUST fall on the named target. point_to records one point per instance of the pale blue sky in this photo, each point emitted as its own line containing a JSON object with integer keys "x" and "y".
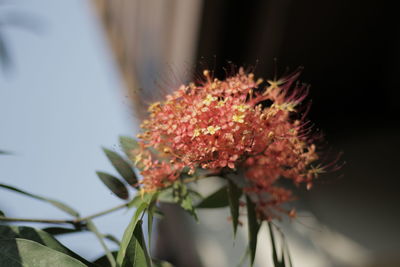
{"x": 60, "y": 103}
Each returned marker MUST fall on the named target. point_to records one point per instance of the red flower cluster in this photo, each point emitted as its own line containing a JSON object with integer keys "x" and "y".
{"x": 231, "y": 124}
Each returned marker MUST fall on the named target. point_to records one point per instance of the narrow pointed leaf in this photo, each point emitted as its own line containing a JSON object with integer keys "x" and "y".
{"x": 253, "y": 227}
{"x": 275, "y": 259}
{"x": 92, "y": 227}
{"x": 122, "y": 167}
{"x": 218, "y": 199}
{"x": 137, "y": 254}
{"x": 112, "y": 239}
{"x": 288, "y": 255}
{"x": 129, "y": 145}
{"x": 103, "y": 261}
{"x": 60, "y": 230}
{"x": 37, "y": 235}
{"x": 150, "y": 215}
{"x": 115, "y": 185}
{"x": 184, "y": 199}
{"x": 234, "y": 194}
{"x": 56, "y": 203}
{"x": 19, "y": 252}
{"x": 5, "y": 60}
{"x": 2, "y": 152}
{"x": 129, "y": 233}
{"x": 135, "y": 202}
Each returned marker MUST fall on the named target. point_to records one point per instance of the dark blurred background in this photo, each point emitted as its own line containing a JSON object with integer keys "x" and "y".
{"x": 350, "y": 52}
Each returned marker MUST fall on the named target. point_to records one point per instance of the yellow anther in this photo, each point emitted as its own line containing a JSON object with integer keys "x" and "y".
{"x": 271, "y": 134}
{"x": 238, "y": 118}
{"x": 274, "y": 84}
{"x": 209, "y": 99}
{"x": 212, "y": 130}
{"x": 196, "y": 133}
{"x": 138, "y": 158}
{"x": 241, "y": 107}
{"x": 154, "y": 106}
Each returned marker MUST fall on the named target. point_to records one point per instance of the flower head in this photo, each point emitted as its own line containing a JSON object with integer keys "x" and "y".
{"x": 230, "y": 124}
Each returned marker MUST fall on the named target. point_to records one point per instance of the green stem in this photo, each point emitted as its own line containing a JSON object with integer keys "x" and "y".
{"x": 12, "y": 219}
{"x": 73, "y": 222}
{"x": 80, "y": 220}
{"x": 101, "y": 213}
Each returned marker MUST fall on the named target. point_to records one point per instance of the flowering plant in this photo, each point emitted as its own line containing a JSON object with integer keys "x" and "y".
{"x": 249, "y": 135}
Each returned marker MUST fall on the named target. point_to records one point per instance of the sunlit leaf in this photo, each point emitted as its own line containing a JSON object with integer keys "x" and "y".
{"x": 234, "y": 194}
{"x": 22, "y": 252}
{"x": 135, "y": 202}
{"x": 122, "y": 167}
{"x": 129, "y": 233}
{"x": 137, "y": 254}
{"x": 253, "y": 227}
{"x": 218, "y": 199}
{"x": 115, "y": 185}
{"x": 55, "y": 203}
{"x": 37, "y": 235}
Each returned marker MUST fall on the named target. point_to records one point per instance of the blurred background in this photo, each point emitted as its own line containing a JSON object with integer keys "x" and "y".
{"x": 77, "y": 74}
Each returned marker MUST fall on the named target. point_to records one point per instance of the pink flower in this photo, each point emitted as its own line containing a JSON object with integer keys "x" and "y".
{"x": 230, "y": 124}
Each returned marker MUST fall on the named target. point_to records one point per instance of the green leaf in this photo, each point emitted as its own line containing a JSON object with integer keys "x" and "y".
{"x": 128, "y": 145}
{"x": 218, "y": 199}
{"x": 112, "y": 239}
{"x": 167, "y": 195}
{"x": 137, "y": 255}
{"x": 115, "y": 185}
{"x": 53, "y": 202}
{"x": 253, "y": 227}
{"x": 288, "y": 254}
{"x": 284, "y": 250}
{"x": 92, "y": 227}
{"x": 234, "y": 194}
{"x": 2, "y": 152}
{"x": 274, "y": 252}
{"x": 5, "y": 60}
{"x": 60, "y": 230}
{"x": 37, "y": 235}
{"x": 122, "y": 167}
{"x": 184, "y": 199}
{"x": 160, "y": 263}
{"x": 2, "y": 213}
{"x": 26, "y": 253}
{"x": 103, "y": 261}
{"x": 129, "y": 233}
{"x": 150, "y": 214}
{"x": 135, "y": 202}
